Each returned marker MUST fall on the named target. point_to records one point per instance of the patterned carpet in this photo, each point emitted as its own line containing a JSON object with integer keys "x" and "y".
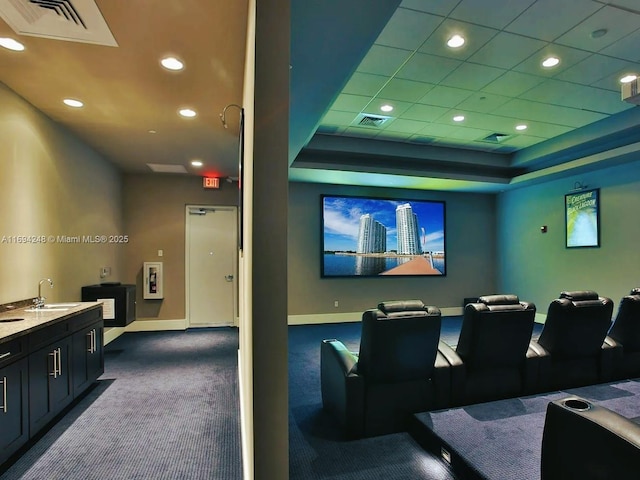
{"x": 166, "y": 408}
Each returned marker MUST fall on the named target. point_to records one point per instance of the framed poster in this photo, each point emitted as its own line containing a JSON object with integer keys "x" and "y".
{"x": 582, "y": 218}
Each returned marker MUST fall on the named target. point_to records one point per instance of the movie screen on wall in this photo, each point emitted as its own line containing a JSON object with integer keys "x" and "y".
{"x": 364, "y": 237}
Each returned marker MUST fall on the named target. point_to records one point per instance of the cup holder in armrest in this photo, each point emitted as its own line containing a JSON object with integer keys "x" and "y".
{"x": 576, "y": 404}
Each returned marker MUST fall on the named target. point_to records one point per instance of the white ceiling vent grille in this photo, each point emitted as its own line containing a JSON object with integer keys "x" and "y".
{"x": 70, "y": 20}
{"x": 369, "y": 120}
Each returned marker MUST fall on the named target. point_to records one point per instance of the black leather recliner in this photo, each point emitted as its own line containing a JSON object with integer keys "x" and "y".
{"x": 572, "y": 344}
{"x": 585, "y": 441}
{"x": 397, "y": 372}
{"x": 492, "y": 359}
{"x": 625, "y": 333}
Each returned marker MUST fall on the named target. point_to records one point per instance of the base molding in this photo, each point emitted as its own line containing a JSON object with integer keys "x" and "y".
{"x": 111, "y": 333}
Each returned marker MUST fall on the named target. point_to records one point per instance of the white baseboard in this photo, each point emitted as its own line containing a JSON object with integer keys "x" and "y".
{"x": 111, "y": 333}
{"x": 316, "y": 318}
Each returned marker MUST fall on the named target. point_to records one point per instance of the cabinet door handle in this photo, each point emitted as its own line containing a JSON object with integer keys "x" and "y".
{"x": 59, "y": 361}
{"x": 54, "y": 354}
{"x": 90, "y": 338}
{"x": 4, "y": 395}
{"x": 4, "y": 355}
{"x": 95, "y": 340}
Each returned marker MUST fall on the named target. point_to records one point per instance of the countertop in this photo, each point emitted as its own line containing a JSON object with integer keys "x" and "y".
{"x": 34, "y": 320}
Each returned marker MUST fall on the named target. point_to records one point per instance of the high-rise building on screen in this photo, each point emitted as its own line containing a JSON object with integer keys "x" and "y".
{"x": 372, "y": 236}
{"x": 408, "y": 231}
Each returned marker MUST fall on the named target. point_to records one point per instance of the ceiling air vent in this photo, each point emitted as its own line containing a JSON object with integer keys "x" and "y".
{"x": 70, "y": 20}
{"x": 495, "y": 138}
{"x": 368, "y": 120}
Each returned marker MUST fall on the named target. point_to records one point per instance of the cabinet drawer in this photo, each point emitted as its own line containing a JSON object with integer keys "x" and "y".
{"x": 49, "y": 334}
{"x": 12, "y": 350}
{"x": 86, "y": 318}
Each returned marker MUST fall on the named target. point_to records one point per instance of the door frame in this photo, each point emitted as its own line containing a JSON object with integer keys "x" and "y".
{"x": 187, "y": 266}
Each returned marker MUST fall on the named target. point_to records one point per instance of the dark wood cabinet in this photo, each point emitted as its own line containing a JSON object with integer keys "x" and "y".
{"x": 50, "y": 387}
{"x": 43, "y": 370}
{"x": 88, "y": 357}
{"x": 14, "y": 417}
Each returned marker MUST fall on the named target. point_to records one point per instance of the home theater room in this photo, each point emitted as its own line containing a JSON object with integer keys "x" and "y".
{"x": 434, "y": 236}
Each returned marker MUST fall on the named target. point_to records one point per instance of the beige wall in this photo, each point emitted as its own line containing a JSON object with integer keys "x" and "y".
{"x": 470, "y": 243}
{"x": 52, "y": 184}
{"x": 154, "y": 218}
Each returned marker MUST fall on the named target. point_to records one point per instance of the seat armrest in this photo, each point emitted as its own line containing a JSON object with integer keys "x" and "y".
{"x": 611, "y": 355}
{"x": 540, "y": 356}
{"x": 458, "y": 373}
{"x": 531, "y": 369}
{"x": 341, "y": 386}
{"x": 441, "y": 382}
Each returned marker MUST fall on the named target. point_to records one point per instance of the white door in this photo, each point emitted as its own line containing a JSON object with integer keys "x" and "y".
{"x": 211, "y": 248}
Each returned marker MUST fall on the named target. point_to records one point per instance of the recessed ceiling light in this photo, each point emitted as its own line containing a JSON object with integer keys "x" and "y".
{"x": 196, "y": 163}
{"x": 456, "y": 41}
{"x": 458, "y": 118}
{"x": 628, "y": 78}
{"x": 521, "y": 127}
{"x": 172, "y": 63}
{"x": 11, "y": 44}
{"x": 550, "y": 62}
{"x": 187, "y": 112}
{"x": 386, "y": 108}
{"x": 70, "y": 102}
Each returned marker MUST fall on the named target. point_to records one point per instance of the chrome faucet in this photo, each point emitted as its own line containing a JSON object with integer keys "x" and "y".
{"x": 39, "y": 301}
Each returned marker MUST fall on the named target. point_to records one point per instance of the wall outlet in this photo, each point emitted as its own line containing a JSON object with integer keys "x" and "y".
{"x": 335, "y": 304}
{"x": 160, "y": 253}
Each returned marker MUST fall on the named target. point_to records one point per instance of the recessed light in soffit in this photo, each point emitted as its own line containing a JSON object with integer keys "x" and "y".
{"x": 70, "y": 20}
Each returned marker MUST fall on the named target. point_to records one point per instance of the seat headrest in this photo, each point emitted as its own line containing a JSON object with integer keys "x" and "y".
{"x": 579, "y": 295}
{"x": 395, "y": 306}
{"x": 499, "y": 299}
{"x": 635, "y": 291}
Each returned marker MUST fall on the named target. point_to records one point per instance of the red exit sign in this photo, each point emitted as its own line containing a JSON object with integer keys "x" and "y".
{"x": 210, "y": 182}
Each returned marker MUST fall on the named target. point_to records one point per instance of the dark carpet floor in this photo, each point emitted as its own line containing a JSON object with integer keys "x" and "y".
{"x": 166, "y": 408}
{"x": 502, "y": 440}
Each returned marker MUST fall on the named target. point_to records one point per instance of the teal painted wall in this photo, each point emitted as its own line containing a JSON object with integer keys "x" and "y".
{"x": 538, "y": 267}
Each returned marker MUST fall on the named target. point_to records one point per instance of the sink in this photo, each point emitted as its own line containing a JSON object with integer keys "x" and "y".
{"x": 3, "y": 320}
{"x": 60, "y": 305}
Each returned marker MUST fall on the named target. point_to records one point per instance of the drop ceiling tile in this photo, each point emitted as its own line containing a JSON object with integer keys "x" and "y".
{"x": 467, "y": 133}
{"x": 542, "y": 112}
{"x": 383, "y": 60}
{"x": 336, "y": 118}
{"x": 408, "y": 29}
{"x": 436, "y": 130}
{"x": 512, "y": 84}
{"x": 625, "y": 48}
{"x": 442, "y": 96}
{"x": 407, "y": 127}
{"x": 612, "y": 81}
{"x": 365, "y": 84}
{"x": 405, "y": 90}
{"x": 398, "y": 107}
{"x": 491, "y": 13}
{"x": 350, "y": 103}
{"x": 506, "y": 50}
{"x": 549, "y": 19}
{"x": 568, "y": 57}
{"x": 618, "y": 23}
{"x": 595, "y": 68}
{"x": 471, "y": 76}
{"x": 546, "y": 130}
{"x": 551, "y": 91}
{"x": 427, "y": 68}
{"x": 495, "y": 123}
{"x": 362, "y": 132}
{"x": 475, "y": 36}
{"x": 424, "y": 113}
{"x": 483, "y": 102}
{"x": 437, "y": 7}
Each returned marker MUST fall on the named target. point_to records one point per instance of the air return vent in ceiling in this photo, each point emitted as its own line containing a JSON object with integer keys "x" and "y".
{"x": 369, "y": 120}
{"x": 495, "y": 138}
{"x": 70, "y": 20}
